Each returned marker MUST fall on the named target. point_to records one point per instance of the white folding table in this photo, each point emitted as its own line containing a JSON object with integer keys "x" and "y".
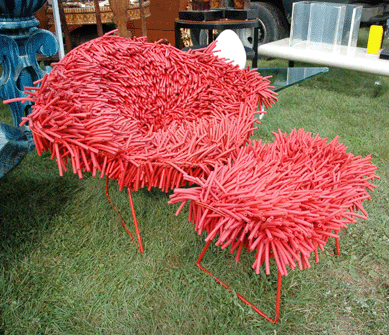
{"x": 350, "y": 58}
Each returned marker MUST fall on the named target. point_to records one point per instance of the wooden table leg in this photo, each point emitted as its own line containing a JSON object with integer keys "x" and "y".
{"x": 119, "y": 8}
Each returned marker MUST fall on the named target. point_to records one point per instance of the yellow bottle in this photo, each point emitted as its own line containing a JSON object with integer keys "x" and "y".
{"x": 375, "y": 39}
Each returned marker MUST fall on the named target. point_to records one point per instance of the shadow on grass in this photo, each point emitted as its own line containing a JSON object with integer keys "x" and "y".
{"x": 349, "y": 83}
{"x": 28, "y": 204}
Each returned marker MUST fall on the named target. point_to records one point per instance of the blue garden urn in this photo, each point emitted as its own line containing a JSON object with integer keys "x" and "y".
{"x": 20, "y": 42}
{"x": 16, "y": 14}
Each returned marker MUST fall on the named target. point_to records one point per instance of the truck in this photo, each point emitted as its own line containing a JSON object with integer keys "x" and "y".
{"x": 275, "y": 17}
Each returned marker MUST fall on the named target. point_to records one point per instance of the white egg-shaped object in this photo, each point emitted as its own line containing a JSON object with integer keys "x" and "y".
{"x": 230, "y": 47}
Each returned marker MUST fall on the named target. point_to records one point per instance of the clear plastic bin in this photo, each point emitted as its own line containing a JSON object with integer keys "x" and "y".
{"x": 329, "y": 23}
{"x": 352, "y": 22}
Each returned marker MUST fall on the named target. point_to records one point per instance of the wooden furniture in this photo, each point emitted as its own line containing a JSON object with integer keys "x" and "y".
{"x": 160, "y": 25}
{"x": 120, "y": 18}
{"x": 98, "y": 18}
{"x": 119, "y": 8}
{"x": 76, "y": 17}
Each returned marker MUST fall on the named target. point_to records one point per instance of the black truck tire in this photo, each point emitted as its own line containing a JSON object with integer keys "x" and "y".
{"x": 273, "y": 25}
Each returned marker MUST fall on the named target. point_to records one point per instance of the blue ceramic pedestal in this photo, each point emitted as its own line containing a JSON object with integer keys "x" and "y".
{"x": 20, "y": 41}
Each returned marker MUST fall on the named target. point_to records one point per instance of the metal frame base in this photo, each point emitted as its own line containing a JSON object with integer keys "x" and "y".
{"x": 139, "y": 244}
{"x": 256, "y": 309}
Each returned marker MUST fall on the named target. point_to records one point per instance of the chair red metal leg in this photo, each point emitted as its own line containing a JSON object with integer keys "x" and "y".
{"x": 121, "y": 218}
{"x": 256, "y": 309}
{"x": 135, "y": 222}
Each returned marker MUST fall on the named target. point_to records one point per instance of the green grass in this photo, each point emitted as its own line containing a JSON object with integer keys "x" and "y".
{"x": 68, "y": 267}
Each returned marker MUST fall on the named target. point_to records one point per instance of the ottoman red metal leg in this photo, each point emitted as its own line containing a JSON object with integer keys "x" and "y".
{"x": 256, "y": 309}
{"x": 121, "y": 218}
{"x": 337, "y": 246}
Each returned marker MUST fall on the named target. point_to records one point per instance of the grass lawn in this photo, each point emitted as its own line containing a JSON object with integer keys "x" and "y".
{"x": 68, "y": 267}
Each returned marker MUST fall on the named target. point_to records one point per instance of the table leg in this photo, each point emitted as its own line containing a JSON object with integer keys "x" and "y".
{"x": 210, "y": 36}
{"x": 177, "y": 36}
{"x": 255, "y": 47}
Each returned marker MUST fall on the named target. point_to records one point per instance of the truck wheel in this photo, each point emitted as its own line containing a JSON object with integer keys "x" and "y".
{"x": 273, "y": 25}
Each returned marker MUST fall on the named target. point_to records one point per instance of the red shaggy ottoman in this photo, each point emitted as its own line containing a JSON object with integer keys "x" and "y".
{"x": 281, "y": 200}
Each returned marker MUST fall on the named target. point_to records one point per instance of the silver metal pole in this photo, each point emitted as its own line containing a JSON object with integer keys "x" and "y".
{"x": 58, "y": 29}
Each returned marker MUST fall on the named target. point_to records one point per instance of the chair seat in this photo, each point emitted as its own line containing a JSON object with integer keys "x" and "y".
{"x": 143, "y": 113}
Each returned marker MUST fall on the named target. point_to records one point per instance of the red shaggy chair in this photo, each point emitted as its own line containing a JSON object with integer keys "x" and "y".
{"x": 141, "y": 113}
{"x": 281, "y": 200}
